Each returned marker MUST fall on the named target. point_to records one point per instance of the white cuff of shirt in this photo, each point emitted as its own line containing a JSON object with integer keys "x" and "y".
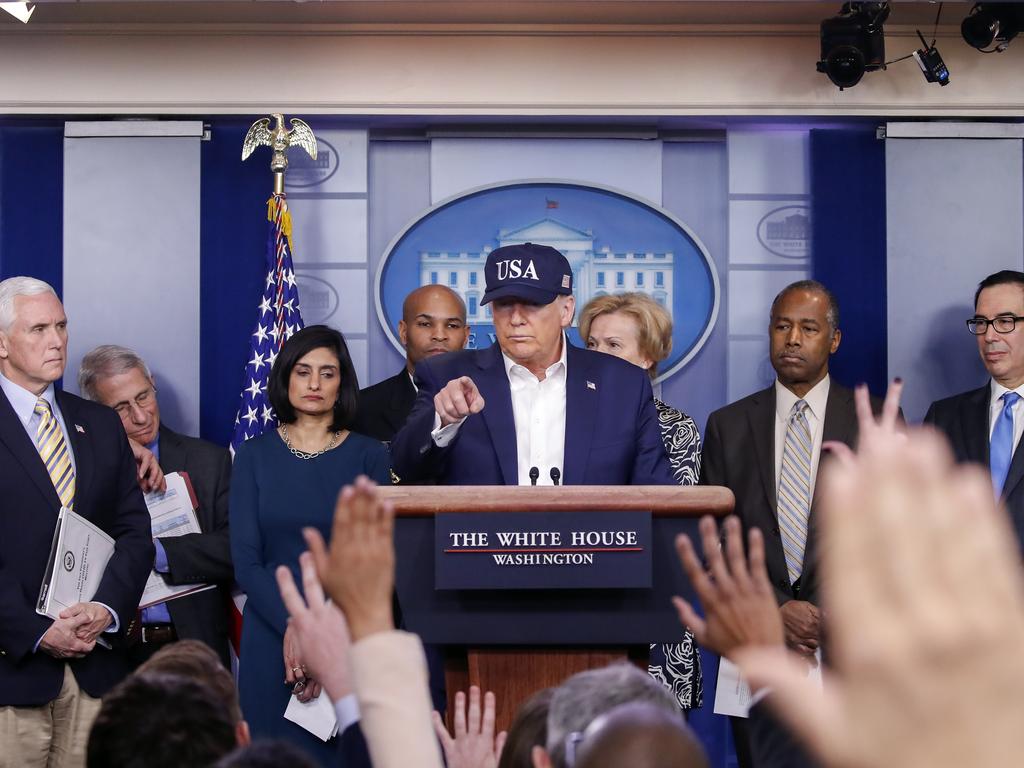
{"x": 442, "y": 436}
{"x": 347, "y": 710}
{"x": 116, "y": 625}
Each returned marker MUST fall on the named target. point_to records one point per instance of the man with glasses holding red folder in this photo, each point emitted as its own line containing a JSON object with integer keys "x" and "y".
{"x": 985, "y": 425}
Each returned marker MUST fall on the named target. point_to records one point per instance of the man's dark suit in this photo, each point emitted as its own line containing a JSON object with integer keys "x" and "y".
{"x": 384, "y": 407}
{"x": 964, "y": 420}
{"x": 739, "y": 453}
{"x": 772, "y": 744}
{"x": 611, "y": 428}
{"x": 106, "y": 493}
{"x": 202, "y": 558}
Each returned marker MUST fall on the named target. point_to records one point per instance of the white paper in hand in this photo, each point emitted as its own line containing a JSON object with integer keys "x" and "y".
{"x": 316, "y": 716}
{"x": 732, "y": 694}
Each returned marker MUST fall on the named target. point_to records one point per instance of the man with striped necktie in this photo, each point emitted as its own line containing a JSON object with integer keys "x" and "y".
{"x": 58, "y": 450}
{"x": 766, "y": 449}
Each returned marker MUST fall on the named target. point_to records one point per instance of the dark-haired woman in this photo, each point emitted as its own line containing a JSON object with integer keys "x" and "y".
{"x": 283, "y": 481}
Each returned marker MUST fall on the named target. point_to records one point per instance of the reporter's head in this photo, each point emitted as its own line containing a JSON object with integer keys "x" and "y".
{"x": 159, "y": 721}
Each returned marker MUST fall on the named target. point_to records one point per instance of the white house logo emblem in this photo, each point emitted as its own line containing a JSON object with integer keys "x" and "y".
{"x": 786, "y": 231}
{"x": 304, "y": 171}
{"x": 69, "y": 561}
{"x": 614, "y": 243}
{"x": 319, "y": 299}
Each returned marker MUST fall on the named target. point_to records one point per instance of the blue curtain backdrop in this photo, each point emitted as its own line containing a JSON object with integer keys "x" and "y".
{"x": 849, "y": 246}
{"x": 31, "y": 200}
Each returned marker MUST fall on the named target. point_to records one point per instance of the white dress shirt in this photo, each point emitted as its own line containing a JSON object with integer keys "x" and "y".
{"x": 995, "y": 407}
{"x": 538, "y": 410}
{"x": 816, "y": 400}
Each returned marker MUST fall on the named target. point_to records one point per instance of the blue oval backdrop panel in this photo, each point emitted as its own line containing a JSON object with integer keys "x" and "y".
{"x": 615, "y": 243}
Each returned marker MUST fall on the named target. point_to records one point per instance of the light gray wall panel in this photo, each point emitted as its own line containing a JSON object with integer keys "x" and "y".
{"x": 131, "y": 259}
{"x": 953, "y": 216}
{"x": 694, "y": 188}
{"x": 399, "y": 191}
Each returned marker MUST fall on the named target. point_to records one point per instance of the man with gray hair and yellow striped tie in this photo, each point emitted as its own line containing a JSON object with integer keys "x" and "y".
{"x": 57, "y": 450}
{"x": 766, "y": 449}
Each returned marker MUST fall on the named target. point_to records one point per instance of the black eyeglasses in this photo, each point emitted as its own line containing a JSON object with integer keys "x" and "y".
{"x": 1002, "y": 324}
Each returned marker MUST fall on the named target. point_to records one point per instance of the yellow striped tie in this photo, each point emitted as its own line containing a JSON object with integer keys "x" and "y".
{"x": 54, "y": 453}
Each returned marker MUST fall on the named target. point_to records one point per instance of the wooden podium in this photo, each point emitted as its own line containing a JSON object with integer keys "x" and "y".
{"x": 515, "y": 642}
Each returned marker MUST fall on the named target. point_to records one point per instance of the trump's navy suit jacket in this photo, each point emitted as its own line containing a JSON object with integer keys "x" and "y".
{"x": 106, "y": 493}
{"x": 611, "y": 427}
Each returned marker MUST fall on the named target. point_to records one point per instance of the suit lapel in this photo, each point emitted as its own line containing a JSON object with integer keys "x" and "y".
{"x": 403, "y": 395}
{"x": 81, "y": 444}
{"x": 14, "y": 436}
{"x": 761, "y": 417}
{"x": 172, "y": 452}
{"x": 840, "y": 418}
{"x": 975, "y": 427}
{"x": 580, "y": 406}
{"x": 492, "y": 381}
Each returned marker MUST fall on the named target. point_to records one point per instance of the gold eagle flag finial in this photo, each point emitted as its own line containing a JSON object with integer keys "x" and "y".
{"x": 279, "y": 138}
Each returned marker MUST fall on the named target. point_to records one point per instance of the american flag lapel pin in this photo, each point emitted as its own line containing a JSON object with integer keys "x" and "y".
{"x": 80, "y": 428}
{"x": 592, "y": 385}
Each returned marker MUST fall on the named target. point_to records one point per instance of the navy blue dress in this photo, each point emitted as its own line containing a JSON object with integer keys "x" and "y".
{"x": 274, "y": 495}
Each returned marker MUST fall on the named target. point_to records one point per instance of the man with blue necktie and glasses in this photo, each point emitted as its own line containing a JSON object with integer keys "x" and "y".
{"x": 984, "y": 425}
{"x": 58, "y": 450}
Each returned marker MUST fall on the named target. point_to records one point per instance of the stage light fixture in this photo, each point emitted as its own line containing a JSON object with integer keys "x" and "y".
{"x": 21, "y": 11}
{"x": 990, "y": 27}
{"x": 853, "y": 43}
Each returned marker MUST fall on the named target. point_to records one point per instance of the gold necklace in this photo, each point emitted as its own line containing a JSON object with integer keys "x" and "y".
{"x": 302, "y": 454}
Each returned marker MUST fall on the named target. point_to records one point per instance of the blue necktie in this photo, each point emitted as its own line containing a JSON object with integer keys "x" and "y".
{"x": 1001, "y": 450}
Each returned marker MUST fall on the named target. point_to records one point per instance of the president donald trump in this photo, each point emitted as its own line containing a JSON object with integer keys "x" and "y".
{"x": 531, "y": 408}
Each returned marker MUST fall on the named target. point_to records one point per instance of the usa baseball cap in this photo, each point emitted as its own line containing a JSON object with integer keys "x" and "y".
{"x": 536, "y": 273}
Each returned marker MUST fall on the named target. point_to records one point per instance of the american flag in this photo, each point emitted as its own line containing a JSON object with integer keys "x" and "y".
{"x": 278, "y": 319}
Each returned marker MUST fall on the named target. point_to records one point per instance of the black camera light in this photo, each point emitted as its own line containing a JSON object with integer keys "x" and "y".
{"x": 853, "y": 43}
{"x": 990, "y": 27}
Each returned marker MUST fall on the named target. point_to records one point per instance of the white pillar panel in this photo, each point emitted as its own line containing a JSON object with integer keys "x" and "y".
{"x": 131, "y": 257}
{"x": 953, "y": 216}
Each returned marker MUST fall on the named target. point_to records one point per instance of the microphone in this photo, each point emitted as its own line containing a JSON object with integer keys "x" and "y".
{"x": 555, "y": 475}
{"x": 534, "y": 474}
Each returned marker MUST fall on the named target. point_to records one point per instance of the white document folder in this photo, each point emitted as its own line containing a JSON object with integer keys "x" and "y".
{"x": 78, "y": 556}
{"x": 171, "y": 513}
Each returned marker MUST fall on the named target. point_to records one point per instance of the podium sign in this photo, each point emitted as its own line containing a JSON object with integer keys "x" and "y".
{"x": 543, "y": 550}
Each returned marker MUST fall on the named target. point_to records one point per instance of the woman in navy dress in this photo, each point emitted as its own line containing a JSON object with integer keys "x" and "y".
{"x": 283, "y": 481}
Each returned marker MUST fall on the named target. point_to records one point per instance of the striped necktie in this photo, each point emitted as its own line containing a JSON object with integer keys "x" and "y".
{"x": 795, "y": 489}
{"x": 55, "y": 454}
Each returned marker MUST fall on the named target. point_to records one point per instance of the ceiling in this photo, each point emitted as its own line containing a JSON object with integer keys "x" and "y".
{"x": 528, "y": 12}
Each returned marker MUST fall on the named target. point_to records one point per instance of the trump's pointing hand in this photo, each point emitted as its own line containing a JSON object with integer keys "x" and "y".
{"x": 457, "y": 400}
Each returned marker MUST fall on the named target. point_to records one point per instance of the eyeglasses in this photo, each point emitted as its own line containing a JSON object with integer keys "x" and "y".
{"x": 1002, "y": 324}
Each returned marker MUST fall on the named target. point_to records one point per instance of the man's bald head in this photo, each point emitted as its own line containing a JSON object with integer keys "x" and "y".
{"x": 433, "y": 322}
{"x": 640, "y": 735}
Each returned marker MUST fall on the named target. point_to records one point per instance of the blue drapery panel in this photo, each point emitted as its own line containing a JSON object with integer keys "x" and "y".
{"x": 849, "y": 246}
{"x": 233, "y": 232}
{"x": 31, "y": 195}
